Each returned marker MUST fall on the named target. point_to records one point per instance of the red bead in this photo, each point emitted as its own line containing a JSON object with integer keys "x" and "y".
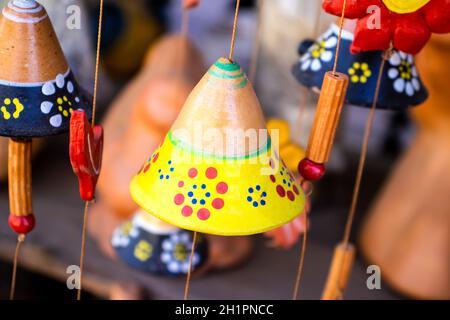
{"x": 310, "y": 170}
{"x": 22, "y": 224}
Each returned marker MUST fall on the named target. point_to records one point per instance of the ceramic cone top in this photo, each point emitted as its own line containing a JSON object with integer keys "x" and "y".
{"x": 401, "y": 86}
{"x": 217, "y": 171}
{"x": 38, "y": 91}
{"x": 155, "y": 247}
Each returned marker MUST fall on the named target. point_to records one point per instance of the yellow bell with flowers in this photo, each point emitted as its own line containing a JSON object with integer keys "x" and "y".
{"x": 218, "y": 171}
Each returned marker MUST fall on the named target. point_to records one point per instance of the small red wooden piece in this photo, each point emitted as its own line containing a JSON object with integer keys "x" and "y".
{"x": 86, "y": 148}
{"x": 189, "y": 4}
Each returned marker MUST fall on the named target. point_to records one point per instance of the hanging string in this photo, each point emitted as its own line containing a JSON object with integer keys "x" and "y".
{"x": 341, "y": 27}
{"x": 94, "y": 109}
{"x": 257, "y": 42}
{"x": 12, "y": 290}
{"x": 305, "y": 91}
{"x": 185, "y": 22}
{"x": 307, "y": 188}
{"x": 365, "y": 144}
{"x": 97, "y": 62}
{"x": 318, "y": 21}
{"x": 83, "y": 246}
{"x": 361, "y": 165}
{"x": 191, "y": 259}
{"x": 302, "y": 106}
{"x": 233, "y": 37}
{"x": 302, "y": 258}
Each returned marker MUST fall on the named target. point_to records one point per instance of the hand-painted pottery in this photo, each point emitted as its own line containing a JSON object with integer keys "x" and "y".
{"x": 405, "y": 24}
{"x": 401, "y": 86}
{"x": 38, "y": 91}
{"x": 216, "y": 171}
{"x": 153, "y": 246}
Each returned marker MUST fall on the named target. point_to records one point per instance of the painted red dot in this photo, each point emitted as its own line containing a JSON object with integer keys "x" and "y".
{"x": 295, "y": 189}
{"x": 178, "y": 199}
{"x": 155, "y": 157}
{"x": 192, "y": 173}
{"x": 222, "y": 187}
{"x": 272, "y": 178}
{"x": 280, "y": 190}
{"x": 180, "y": 184}
{"x": 211, "y": 173}
{"x": 290, "y": 195}
{"x": 147, "y": 167}
{"x": 186, "y": 211}
{"x": 218, "y": 203}
{"x": 203, "y": 214}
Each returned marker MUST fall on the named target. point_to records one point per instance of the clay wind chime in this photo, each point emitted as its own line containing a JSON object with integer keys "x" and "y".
{"x": 198, "y": 180}
{"x": 403, "y": 31}
{"x": 86, "y": 149}
{"x": 38, "y": 95}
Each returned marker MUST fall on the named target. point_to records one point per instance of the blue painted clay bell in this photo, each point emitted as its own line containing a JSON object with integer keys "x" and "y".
{"x": 38, "y": 91}
{"x": 153, "y": 246}
{"x": 401, "y": 86}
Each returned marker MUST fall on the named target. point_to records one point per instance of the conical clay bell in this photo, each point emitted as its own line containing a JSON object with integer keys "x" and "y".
{"x": 216, "y": 171}
{"x": 38, "y": 91}
{"x": 401, "y": 86}
{"x": 153, "y": 246}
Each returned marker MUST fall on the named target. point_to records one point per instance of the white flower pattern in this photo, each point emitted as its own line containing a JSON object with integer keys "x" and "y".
{"x": 176, "y": 251}
{"x": 121, "y": 236}
{"x": 403, "y": 73}
{"x": 319, "y": 52}
{"x": 64, "y": 102}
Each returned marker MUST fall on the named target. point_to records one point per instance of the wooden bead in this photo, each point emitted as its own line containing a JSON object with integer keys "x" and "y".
{"x": 329, "y": 107}
{"x": 341, "y": 267}
{"x": 19, "y": 177}
{"x": 22, "y": 224}
{"x": 310, "y": 170}
{"x": 189, "y": 4}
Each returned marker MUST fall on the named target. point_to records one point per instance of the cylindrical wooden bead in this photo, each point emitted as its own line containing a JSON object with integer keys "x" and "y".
{"x": 19, "y": 177}
{"x": 329, "y": 107}
{"x": 341, "y": 267}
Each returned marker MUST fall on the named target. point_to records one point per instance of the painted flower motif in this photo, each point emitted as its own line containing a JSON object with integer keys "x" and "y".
{"x": 200, "y": 196}
{"x": 176, "y": 253}
{"x": 166, "y": 175}
{"x": 285, "y": 186}
{"x": 403, "y": 73}
{"x": 8, "y": 111}
{"x": 60, "y": 91}
{"x": 406, "y": 24}
{"x": 153, "y": 158}
{"x": 318, "y": 53}
{"x": 256, "y": 196}
{"x": 143, "y": 250}
{"x": 359, "y": 72}
{"x": 121, "y": 236}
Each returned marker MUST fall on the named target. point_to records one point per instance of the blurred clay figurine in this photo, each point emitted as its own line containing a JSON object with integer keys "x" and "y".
{"x": 407, "y": 233}
{"x": 137, "y": 122}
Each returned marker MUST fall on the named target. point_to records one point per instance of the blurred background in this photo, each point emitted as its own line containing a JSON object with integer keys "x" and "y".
{"x": 403, "y": 216}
